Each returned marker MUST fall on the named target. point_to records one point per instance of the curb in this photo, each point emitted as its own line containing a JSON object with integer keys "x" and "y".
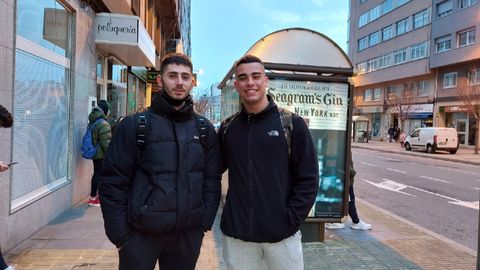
{"x": 410, "y": 153}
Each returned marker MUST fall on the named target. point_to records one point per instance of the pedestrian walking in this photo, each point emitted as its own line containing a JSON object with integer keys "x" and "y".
{"x": 160, "y": 181}
{"x": 101, "y": 135}
{"x": 396, "y": 133}
{"x": 403, "y": 136}
{"x": 357, "y": 223}
{"x": 6, "y": 121}
{"x": 391, "y": 130}
{"x": 273, "y": 180}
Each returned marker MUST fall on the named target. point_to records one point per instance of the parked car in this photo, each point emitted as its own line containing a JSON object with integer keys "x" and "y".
{"x": 432, "y": 139}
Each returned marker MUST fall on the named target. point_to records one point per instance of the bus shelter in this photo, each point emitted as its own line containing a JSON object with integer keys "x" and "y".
{"x": 310, "y": 76}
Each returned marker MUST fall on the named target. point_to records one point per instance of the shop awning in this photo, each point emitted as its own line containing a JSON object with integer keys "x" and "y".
{"x": 420, "y": 115}
{"x": 356, "y": 118}
{"x": 125, "y": 38}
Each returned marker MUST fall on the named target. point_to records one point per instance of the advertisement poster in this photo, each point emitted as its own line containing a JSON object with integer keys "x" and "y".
{"x": 324, "y": 106}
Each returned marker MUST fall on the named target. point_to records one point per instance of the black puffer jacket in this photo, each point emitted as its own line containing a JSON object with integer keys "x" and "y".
{"x": 270, "y": 192}
{"x": 172, "y": 185}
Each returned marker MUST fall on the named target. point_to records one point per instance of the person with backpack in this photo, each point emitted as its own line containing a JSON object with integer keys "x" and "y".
{"x": 160, "y": 187}
{"x": 272, "y": 177}
{"x": 101, "y": 135}
{"x": 6, "y": 121}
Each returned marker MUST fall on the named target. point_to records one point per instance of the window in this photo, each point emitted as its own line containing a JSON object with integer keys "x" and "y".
{"x": 467, "y": 3}
{"x": 363, "y": 19}
{"x": 375, "y": 13}
{"x": 367, "y": 95}
{"x": 377, "y": 93}
{"x": 374, "y": 38}
{"x": 474, "y": 76}
{"x": 466, "y": 37}
{"x": 362, "y": 67}
{"x": 384, "y": 61}
{"x": 387, "y": 6}
{"x": 41, "y": 100}
{"x": 387, "y": 32}
{"x": 400, "y": 56}
{"x": 423, "y": 88}
{"x": 402, "y": 26}
{"x": 362, "y": 1}
{"x": 421, "y": 18}
{"x": 443, "y": 44}
{"x": 362, "y": 43}
{"x": 418, "y": 50}
{"x": 372, "y": 65}
{"x": 391, "y": 92}
{"x": 450, "y": 80}
{"x": 444, "y": 8}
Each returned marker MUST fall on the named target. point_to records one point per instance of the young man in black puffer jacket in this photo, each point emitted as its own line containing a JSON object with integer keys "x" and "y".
{"x": 158, "y": 200}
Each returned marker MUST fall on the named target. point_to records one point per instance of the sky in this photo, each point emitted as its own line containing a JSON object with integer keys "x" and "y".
{"x": 223, "y": 30}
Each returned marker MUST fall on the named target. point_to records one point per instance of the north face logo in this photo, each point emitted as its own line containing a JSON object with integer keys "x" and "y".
{"x": 273, "y": 133}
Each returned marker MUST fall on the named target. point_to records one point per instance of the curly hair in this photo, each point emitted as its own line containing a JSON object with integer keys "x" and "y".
{"x": 6, "y": 119}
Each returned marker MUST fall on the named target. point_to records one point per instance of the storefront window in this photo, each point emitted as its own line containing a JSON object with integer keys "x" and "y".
{"x": 117, "y": 88}
{"x": 41, "y": 94}
{"x": 45, "y": 23}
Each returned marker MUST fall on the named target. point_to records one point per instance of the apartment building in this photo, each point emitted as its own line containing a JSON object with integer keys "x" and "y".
{"x": 57, "y": 58}
{"x": 401, "y": 50}
{"x": 455, "y": 60}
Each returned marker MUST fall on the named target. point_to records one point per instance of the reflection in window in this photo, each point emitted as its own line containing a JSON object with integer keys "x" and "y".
{"x": 41, "y": 121}
{"x": 46, "y": 23}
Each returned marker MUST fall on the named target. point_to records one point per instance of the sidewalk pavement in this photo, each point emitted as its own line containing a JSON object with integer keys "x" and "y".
{"x": 76, "y": 239}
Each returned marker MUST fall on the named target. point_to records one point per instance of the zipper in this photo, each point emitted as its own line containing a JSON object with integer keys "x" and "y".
{"x": 250, "y": 182}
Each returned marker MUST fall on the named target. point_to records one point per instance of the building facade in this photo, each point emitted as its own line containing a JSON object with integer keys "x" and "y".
{"x": 58, "y": 58}
{"x": 401, "y": 49}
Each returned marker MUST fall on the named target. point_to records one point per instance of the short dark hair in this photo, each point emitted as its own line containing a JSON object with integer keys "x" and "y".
{"x": 247, "y": 59}
{"x": 176, "y": 58}
{"x": 6, "y": 119}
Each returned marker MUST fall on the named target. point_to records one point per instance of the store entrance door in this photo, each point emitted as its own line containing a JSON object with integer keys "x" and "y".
{"x": 462, "y": 130}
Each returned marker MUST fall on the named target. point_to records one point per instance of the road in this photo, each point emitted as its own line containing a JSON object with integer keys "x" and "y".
{"x": 441, "y": 196}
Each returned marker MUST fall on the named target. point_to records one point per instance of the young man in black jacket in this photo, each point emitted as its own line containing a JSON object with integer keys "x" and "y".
{"x": 158, "y": 198}
{"x": 271, "y": 187}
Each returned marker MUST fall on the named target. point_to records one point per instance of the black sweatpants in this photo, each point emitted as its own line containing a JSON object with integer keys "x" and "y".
{"x": 352, "y": 209}
{"x": 3, "y": 264}
{"x": 97, "y": 167}
{"x": 175, "y": 251}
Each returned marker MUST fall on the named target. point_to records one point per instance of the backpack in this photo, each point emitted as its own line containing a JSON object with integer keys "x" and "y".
{"x": 143, "y": 126}
{"x": 285, "y": 118}
{"x": 88, "y": 149}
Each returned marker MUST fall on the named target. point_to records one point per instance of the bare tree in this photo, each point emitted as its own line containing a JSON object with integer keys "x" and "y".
{"x": 203, "y": 100}
{"x": 401, "y": 104}
{"x": 468, "y": 90}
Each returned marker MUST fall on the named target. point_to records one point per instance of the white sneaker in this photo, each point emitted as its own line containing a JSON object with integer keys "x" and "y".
{"x": 361, "y": 226}
{"x": 9, "y": 268}
{"x": 334, "y": 226}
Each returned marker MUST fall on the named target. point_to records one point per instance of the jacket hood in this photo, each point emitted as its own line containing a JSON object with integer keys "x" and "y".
{"x": 94, "y": 115}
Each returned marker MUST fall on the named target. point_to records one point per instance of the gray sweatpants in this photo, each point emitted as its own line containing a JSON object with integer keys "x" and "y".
{"x": 284, "y": 255}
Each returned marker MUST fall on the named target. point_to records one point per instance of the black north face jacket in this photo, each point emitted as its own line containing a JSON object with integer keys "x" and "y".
{"x": 270, "y": 192}
{"x": 171, "y": 185}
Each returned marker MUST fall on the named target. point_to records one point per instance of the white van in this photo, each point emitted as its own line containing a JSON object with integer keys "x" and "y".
{"x": 432, "y": 139}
